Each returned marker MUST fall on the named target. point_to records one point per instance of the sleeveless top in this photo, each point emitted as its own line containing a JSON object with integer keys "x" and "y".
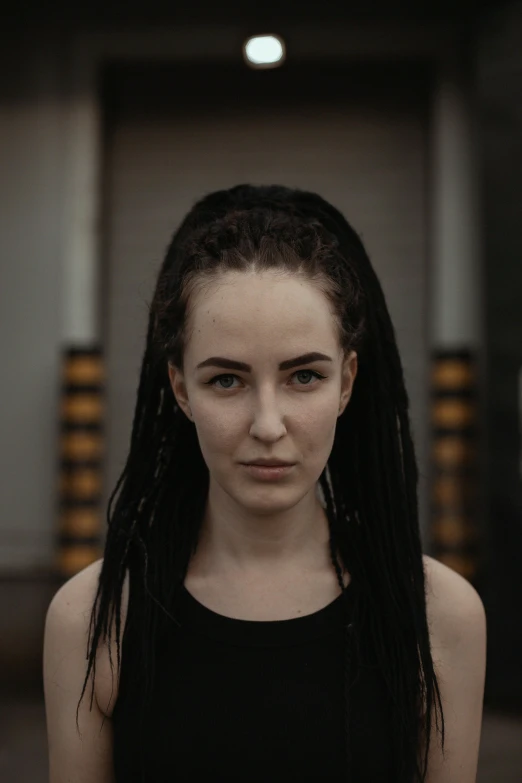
{"x": 248, "y": 700}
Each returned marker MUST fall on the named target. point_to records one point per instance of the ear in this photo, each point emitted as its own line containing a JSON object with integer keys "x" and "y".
{"x": 179, "y": 388}
{"x": 349, "y": 373}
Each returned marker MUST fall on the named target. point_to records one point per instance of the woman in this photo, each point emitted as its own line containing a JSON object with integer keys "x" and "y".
{"x": 254, "y": 623}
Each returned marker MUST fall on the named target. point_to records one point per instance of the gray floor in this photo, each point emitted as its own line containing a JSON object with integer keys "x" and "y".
{"x": 23, "y": 755}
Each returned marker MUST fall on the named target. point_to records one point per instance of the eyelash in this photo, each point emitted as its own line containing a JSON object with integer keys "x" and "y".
{"x": 230, "y": 375}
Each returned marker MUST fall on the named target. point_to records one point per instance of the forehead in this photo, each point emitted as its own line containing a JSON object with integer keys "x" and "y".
{"x": 249, "y": 309}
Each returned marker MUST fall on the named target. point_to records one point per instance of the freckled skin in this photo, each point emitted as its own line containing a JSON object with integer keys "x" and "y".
{"x": 262, "y": 319}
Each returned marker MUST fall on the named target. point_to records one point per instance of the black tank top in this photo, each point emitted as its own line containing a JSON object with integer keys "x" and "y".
{"x": 253, "y": 701}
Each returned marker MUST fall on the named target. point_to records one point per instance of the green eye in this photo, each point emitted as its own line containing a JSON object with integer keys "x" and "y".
{"x": 313, "y": 373}
{"x": 218, "y": 378}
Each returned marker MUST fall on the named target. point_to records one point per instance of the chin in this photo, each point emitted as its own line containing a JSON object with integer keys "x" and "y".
{"x": 270, "y": 499}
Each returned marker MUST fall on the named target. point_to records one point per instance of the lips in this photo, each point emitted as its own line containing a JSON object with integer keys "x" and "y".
{"x": 270, "y": 464}
{"x": 268, "y": 472}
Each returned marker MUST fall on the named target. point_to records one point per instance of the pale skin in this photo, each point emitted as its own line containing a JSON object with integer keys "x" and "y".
{"x": 264, "y": 547}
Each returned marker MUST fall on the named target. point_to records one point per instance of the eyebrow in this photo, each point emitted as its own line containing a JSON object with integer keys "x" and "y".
{"x": 230, "y": 364}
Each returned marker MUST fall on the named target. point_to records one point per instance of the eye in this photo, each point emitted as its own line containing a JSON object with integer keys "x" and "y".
{"x": 214, "y": 380}
{"x": 218, "y": 379}
{"x": 313, "y": 373}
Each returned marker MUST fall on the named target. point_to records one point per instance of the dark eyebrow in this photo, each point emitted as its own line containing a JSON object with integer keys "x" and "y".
{"x": 230, "y": 364}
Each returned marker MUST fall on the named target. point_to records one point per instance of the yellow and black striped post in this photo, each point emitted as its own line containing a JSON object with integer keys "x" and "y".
{"x": 454, "y": 523}
{"x": 80, "y": 459}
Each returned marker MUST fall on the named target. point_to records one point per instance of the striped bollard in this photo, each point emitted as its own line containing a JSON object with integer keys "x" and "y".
{"x": 454, "y": 525}
{"x": 81, "y": 453}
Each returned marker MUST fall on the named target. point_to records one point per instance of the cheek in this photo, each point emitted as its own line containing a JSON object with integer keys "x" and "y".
{"x": 218, "y": 429}
{"x": 317, "y": 430}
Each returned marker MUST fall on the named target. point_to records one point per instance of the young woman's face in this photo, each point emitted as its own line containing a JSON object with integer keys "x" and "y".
{"x": 263, "y": 410}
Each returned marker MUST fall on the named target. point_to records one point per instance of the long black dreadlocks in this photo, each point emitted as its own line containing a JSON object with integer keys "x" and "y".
{"x": 369, "y": 483}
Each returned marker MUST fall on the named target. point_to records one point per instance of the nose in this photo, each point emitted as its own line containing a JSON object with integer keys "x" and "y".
{"x": 267, "y": 421}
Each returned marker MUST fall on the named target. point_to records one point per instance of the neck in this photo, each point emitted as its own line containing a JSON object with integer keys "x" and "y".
{"x": 235, "y": 540}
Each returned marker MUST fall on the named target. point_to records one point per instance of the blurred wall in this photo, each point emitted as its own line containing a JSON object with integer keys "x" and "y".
{"x": 499, "y": 85}
{"x": 31, "y": 206}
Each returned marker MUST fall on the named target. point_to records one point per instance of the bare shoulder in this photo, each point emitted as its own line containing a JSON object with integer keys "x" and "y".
{"x": 83, "y": 750}
{"x": 457, "y": 624}
{"x": 67, "y": 625}
{"x": 76, "y": 596}
{"x": 455, "y": 609}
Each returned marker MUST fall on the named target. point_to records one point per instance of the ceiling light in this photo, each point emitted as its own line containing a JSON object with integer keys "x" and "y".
{"x": 264, "y": 51}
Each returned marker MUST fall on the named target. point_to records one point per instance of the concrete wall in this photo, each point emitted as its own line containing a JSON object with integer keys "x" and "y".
{"x": 499, "y": 84}
{"x": 31, "y": 206}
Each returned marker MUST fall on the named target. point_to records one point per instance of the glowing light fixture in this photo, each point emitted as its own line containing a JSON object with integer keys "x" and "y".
{"x": 264, "y": 51}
